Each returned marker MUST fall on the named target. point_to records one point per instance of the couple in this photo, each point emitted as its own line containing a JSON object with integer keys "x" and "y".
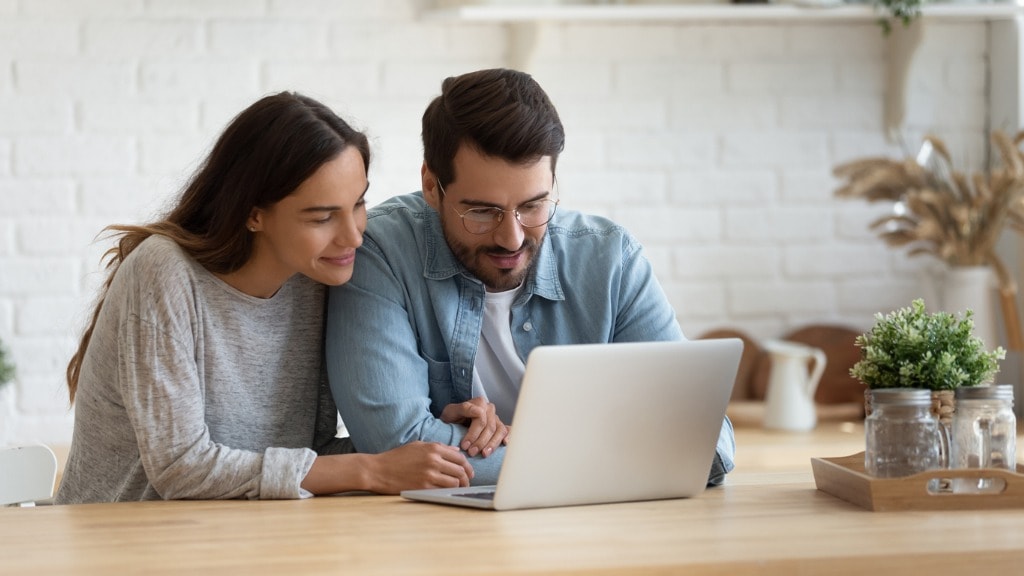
{"x": 204, "y": 373}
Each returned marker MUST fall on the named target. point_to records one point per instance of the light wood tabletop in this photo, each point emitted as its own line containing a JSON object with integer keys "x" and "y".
{"x": 769, "y": 523}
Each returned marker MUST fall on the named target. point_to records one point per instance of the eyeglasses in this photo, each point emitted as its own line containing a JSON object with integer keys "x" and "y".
{"x": 532, "y": 214}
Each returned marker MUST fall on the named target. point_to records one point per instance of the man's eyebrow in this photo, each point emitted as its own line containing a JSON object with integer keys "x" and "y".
{"x": 479, "y": 204}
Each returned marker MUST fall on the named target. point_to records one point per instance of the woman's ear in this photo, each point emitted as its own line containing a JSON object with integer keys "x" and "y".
{"x": 255, "y": 220}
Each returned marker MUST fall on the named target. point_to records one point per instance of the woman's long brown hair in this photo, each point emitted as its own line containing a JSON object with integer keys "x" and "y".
{"x": 264, "y": 154}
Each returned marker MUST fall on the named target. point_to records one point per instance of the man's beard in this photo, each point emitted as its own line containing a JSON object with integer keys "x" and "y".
{"x": 495, "y": 279}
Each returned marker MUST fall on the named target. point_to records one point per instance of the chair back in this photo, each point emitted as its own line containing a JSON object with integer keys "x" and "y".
{"x": 27, "y": 475}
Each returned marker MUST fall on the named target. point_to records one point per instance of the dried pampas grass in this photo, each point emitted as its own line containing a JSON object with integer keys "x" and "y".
{"x": 943, "y": 212}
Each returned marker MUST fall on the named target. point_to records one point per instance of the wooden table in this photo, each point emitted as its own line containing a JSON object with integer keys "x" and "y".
{"x": 769, "y": 523}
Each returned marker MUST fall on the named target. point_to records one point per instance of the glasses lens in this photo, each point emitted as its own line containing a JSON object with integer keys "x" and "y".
{"x": 481, "y": 220}
{"x": 536, "y": 213}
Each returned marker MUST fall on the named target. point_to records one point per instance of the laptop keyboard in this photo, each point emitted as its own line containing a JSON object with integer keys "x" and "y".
{"x": 484, "y": 495}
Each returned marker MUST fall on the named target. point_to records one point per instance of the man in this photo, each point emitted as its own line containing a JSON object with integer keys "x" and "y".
{"x": 458, "y": 283}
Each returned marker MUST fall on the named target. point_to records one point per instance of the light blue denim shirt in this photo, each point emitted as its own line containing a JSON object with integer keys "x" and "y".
{"x": 402, "y": 335}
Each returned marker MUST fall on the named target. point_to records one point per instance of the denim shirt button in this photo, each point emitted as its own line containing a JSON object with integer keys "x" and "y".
{"x": 528, "y": 326}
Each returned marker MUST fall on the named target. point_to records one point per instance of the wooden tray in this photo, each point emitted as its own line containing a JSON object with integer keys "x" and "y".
{"x": 845, "y": 478}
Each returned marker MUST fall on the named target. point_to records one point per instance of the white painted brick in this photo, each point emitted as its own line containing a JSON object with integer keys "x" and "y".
{"x": 771, "y": 150}
{"x": 172, "y": 155}
{"x": 41, "y": 395}
{"x": 142, "y": 38}
{"x": 653, "y": 223}
{"x": 840, "y": 41}
{"x": 6, "y": 157}
{"x": 6, "y": 317}
{"x": 34, "y": 38}
{"x": 173, "y": 77}
{"x": 723, "y": 188}
{"x": 802, "y": 77}
{"x": 619, "y": 41}
{"x": 35, "y": 114}
{"x": 216, "y": 112}
{"x": 71, "y": 9}
{"x": 955, "y": 39}
{"x": 782, "y": 298}
{"x": 862, "y": 77}
{"x": 135, "y": 116}
{"x": 828, "y": 260}
{"x": 131, "y": 199}
{"x": 876, "y": 295}
{"x": 613, "y": 187}
{"x": 52, "y": 430}
{"x": 78, "y": 77}
{"x": 323, "y": 80}
{"x": 8, "y": 7}
{"x": 966, "y": 74}
{"x": 37, "y": 317}
{"x": 854, "y": 218}
{"x": 6, "y": 240}
{"x": 726, "y": 261}
{"x": 679, "y": 77}
{"x": 697, "y": 301}
{"x": 392, "y": 10}
{"x": 800, "y": 113}
{"x": 35, "y": 276}
{"x": 33, "y": 197}
{"x": 853, "y": 145}
{"x": 724, "y": 113}
{"x": 809, "y": 186}
{"x": 642, "y": 149}
{"x": 742, "y": 41}
{"x": 351, "y": 41}
{"x": 53, "y": 236}
{"x": 565, "y": 80}
{"x": 778, "y": 223}
{"x": 420, "y": 81}
{"x": 604, "y": 113}
{"x": 268, "y": 38}
{"x": 6, "y": 77}
{"x": 660, "y": 257}
{"x": 74, "y": 155}
{"x": 926, "y": 74}
{"x": 483, "y": 41}
{"x": 206, "y": 8}
{"x": 584, "y": 150}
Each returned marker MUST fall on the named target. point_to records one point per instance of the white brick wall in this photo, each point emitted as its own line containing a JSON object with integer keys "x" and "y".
{"x": 713, "y": 142}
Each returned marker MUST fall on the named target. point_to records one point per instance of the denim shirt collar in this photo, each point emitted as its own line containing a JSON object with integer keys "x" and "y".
{"x": 439, "y": 263}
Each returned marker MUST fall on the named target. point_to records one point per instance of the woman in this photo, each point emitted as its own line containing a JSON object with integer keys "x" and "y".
{"x": 201, "y": 373}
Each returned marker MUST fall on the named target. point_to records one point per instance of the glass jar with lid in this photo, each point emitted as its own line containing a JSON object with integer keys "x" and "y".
{"x": 902, "y": 436}
{"x": 984, "y": 432}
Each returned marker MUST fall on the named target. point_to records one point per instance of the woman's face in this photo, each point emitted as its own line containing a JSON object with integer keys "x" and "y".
{"x": 315, "y": 230}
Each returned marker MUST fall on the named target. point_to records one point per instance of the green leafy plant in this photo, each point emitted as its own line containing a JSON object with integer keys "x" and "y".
{"x": 910, "y": 348}
{"x": 6, "y": 367}
{"x": 902, "y": 10}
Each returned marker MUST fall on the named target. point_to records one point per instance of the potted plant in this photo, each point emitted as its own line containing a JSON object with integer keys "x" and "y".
{"x": 911, "y": 348}
{"x": 903, "y": 10}
{"x": 6, "y": 367}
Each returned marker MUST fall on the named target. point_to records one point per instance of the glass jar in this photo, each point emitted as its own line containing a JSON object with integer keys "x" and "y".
{"x": 902, "y": 436}
{"x": 984, "y": 433}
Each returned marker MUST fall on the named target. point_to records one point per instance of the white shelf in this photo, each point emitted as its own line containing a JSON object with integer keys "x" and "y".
{"x": 709, "y": 12}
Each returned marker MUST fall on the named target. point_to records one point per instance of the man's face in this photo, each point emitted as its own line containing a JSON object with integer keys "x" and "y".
{"x": 500, "y": 258}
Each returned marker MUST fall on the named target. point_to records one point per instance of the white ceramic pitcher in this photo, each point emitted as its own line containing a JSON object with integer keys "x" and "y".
{"x": 789, "y": 401}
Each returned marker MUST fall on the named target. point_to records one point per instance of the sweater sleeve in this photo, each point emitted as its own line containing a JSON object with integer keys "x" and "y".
{"x": 164, "y": 398}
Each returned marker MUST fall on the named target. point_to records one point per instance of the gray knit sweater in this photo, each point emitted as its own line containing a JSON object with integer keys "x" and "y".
{"x": 192, "y": 389}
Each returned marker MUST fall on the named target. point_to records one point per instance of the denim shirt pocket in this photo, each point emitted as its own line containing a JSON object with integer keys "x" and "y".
{"x": 439, "y": 378}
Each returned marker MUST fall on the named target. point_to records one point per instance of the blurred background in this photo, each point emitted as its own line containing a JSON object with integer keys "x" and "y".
{"x": 712, "y": 138}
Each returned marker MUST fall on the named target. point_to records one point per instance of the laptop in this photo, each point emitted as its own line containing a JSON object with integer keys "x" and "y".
{"x": 601, "y": 423}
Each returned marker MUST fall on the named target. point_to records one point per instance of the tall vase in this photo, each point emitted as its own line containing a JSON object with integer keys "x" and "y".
{"x": 971, "y": 287}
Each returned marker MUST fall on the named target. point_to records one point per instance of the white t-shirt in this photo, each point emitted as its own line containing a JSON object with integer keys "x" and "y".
{"x": 498, "y": 370}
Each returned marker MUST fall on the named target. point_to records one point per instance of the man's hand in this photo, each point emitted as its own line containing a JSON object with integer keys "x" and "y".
{"x": 419, "y": 465}
{"x": 486, "y": 432}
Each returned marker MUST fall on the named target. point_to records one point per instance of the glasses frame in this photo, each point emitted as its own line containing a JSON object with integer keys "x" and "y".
{"x": 501, "y": 213}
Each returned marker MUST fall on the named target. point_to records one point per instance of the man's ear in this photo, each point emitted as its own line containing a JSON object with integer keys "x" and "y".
{"x": 431, "y": 191}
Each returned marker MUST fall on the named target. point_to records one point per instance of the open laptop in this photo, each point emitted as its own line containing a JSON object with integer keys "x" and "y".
{"x": 598, "y": 423}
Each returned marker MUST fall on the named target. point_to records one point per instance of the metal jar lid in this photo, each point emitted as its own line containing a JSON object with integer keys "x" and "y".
{"x": 904, "y": 396}
{"x": 997, "y": 392}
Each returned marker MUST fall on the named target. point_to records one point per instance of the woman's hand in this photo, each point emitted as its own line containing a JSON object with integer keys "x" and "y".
{"x": 486, "y": 432}
{"x": 418, "y": 465}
